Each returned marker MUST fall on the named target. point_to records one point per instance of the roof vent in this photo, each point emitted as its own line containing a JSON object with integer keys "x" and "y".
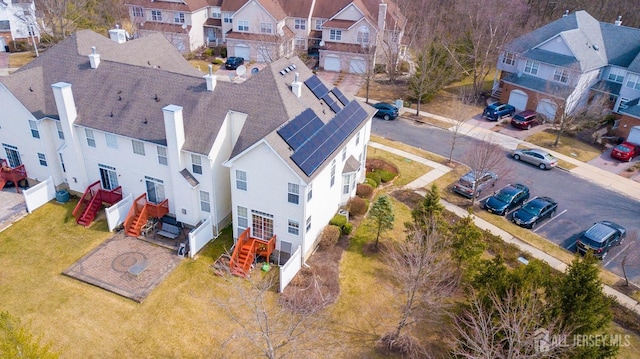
{"x": 211, "y": 79}
{"x": 566, "y": 13}
{"x": 94, "y": 58}
{"x": 618, "y": 22}
{"x": 595, "y": 47}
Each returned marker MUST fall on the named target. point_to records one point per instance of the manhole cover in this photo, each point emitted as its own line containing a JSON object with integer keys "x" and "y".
{"x": 123, "y": 262}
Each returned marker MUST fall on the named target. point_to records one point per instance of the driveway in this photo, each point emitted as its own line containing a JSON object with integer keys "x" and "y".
{"x": 348, "y": 83}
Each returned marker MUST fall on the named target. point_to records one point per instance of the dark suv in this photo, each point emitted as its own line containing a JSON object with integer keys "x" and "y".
{"x": 525, "y": 120}
{"x": 600, "y": 238}
{"x": 466, "y": 183}
{"x": 233, "y": 63}
{"x": 507, "y": 198}
{"x": 498, "y": 110}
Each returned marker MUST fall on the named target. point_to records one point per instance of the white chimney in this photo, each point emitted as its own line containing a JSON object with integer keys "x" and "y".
{"x": 94, "y": 58}
{"x": 296, "y": 86}
{"x": 211, "y": 79}
{"x": 118, "y": 35}
{"x": 618, "y": 22}
{"x": 566, "y": 13}
{"x": 174, "y": 132}
{"x": 382, "y": 15}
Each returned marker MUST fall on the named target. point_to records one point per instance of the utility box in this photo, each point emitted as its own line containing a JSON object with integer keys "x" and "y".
{"x": 634, "y": 135}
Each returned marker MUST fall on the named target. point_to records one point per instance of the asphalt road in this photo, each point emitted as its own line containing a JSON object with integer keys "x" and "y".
{"x": 580, "y": 202}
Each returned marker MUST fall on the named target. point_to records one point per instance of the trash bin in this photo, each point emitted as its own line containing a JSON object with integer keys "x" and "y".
{"x": 62, "y": 196}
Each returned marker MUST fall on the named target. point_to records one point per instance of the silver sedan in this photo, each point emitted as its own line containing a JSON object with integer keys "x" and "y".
{"x": 537, "y": 157}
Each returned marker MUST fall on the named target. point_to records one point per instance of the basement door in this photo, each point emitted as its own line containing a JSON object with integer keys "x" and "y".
{"x": 108, "y": 177}
{"x": 262, "y": 225}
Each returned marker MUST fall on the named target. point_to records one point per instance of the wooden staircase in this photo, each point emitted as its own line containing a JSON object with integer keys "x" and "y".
{"x": 140, "y": 212}
{"x": 91, "y": 202}
{"x": 8, "y": 174}
{"x": 246, "y": 250}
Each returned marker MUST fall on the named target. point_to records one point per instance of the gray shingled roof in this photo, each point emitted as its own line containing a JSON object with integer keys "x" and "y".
{"x": 623, "y": 45}
{"x": 633, "y": 108}
{"x": 538, "y": 84}
{"x": 553, "y": 58}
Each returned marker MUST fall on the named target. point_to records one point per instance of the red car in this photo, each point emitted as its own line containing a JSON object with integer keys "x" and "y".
{"x": 525, "y": 120}
{"x": 625, "y": 151}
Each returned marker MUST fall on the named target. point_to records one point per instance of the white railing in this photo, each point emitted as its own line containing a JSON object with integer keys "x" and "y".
{"x": 39, "y": 194}
{"x": 117, "y": 213}
{"x": 290, "y": 269}
{"x": 200, "y": 236}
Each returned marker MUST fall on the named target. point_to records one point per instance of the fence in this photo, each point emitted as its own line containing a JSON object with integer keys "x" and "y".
{"x": 290, "y": 269}
{"x": 117, "y": 213}
{"x": 39, "y": 194}
{"x": 200, "y": 236}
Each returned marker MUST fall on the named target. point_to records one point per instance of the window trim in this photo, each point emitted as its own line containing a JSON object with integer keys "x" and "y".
{"x": 163, "y": 158}
{"x": 59, "y": 129}
{"x": 346, "y": 184}
{"x": 178, "y": 17}
{"x": 91, "y": 140}
{"x": 300, "y": 24}
{"x": 33, "y": 126}
{"x": 362, "y": 37}
{"x": 293, "y": 227}
{"x": 561, "y": 75}
{"x": 293, "y": 193}
{"x": 240, "y": 211}
{"x": 635, "y": 84}
{"x": 509, "y": 58}
{"x": 319, "y": 23}
{"x": 241, "y": 180}
{"x": 308, "y": 224}
{"x": 137, "y": 11}
{"x": 533, "y": 66}
{"x": 42, "y": 158}
{"x": 205, "y": 202}
{"x": 333, "y": 173}
{"x": 266, "y": 28}
{"x": 140, "y": 147}
{"x": 309, "y": 192}
{"x": 156, "y": 15}
{"x": 243, "y": 25}
{"x": 617, "y": 73}
{"x": 335, "y": 35}
{"x": 109, "y": 139}
{"x": 196, "y": 163}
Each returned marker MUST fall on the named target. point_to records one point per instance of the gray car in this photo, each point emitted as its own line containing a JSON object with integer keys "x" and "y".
{"x": 537, "y": 157}
{"x": 465, "y": 186}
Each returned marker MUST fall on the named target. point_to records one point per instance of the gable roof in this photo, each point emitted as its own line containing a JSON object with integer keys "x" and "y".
{"x": 183, "y": 5}
{"x": 297, "y": 8}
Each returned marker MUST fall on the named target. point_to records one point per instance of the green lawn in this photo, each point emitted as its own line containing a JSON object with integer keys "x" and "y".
{"x": 567, "y": 145}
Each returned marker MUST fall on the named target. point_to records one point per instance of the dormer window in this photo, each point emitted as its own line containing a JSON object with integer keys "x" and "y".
{"x": 531, "y": 67}
{"x": 509, "y": 58}
{"x": 561, "y": 75}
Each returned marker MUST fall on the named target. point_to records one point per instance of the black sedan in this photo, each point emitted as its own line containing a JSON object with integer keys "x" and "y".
{"x": 233, "y": 63}
{"x": 534, "y": 211}
{"x": 507, "y": 198}
{"x": 386, "y": 111}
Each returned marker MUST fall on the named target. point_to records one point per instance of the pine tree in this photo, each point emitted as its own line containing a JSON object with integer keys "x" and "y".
{"x": 382, "y": 214}
{"x": 429, "y": 208}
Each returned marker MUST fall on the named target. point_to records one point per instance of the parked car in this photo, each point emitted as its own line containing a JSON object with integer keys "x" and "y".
{"x": 233, "y": 62}
{"x": 498, "y": 110}
{"x": 466, "y": 183}
{"x": 386, "y": 111}
{"x": 526, "y": 119}
{"x": 600, "y": 238}
{"x": 507, "y": 198}
{"x": 540, "y": 158}
{"x": 534, "y": 211}
{"x": 625, "y": 151}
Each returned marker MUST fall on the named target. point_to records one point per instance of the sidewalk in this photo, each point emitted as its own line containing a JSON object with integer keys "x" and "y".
{"x": 589, "y": 172}
{"x": 419, "y": 186}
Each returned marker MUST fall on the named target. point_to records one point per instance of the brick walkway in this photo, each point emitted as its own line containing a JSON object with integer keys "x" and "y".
{"x": 12, "y": 207}
{"x": 112, "y": 266}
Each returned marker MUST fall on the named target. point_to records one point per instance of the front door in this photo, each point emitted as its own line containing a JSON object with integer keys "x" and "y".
{"x": 155, "y": 190}
{"x": 108, "y": 177}
{"x": 12, "y": 155}
{"x": 262, "y": 225}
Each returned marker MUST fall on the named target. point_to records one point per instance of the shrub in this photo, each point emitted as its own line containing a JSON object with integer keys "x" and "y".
{"x": 370, "y": 182}
{"x": 223, "y": 52}
{"x": 208, "y": 52}
{"x": 374, "y": 176}
{"x": 358, "y": 206}
{"x": 347, "y": 228}
{"x": 364, "y": 190}
{"x": 386, "y": 176}
{"x": 404, "y": 66}
{"x": 338, "y": 220}
{"x": 217, "y": 61}
{"x": 329, "y": 237}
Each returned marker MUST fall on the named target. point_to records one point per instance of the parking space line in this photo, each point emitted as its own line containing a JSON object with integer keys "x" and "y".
{"x": 616, "y": 256}
{"x": 550, "y": 219}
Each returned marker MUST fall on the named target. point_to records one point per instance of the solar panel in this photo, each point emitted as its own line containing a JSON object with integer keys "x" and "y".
{"x": 310, "y": 156}
{"x": 301, "y": 128}
{"x": 340, "y": 96}
{"x": 333, "y": 105}
{"x": 316, "y": 86}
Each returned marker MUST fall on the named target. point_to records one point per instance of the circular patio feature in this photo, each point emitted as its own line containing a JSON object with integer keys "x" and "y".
{"x": 124, "y": 261}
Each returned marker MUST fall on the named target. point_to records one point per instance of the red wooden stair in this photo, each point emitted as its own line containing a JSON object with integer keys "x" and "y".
{"x": 8, "y": 174}
{"x": 246, "y": 250}
{"x": 91, "y": 202}
{"x": 140, "y": 212}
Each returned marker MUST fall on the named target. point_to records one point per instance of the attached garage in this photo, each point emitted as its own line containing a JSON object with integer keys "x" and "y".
{"x": 332, "y": 63}
{"x": 2, "y": 44}
{"x": 357, "y": 66}
{"x": 518, "y": 99}
{"x": 242, "y": 51}
{"x": 547, "y": 109}
{"x": 263, "y": 54}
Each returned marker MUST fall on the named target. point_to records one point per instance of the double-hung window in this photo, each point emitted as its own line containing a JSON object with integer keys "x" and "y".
{"x": 205, "y": 201}
{"x": 293, "y": 227}
{"x": 333, "y": 173}
{"x": 138, "y": 147}
{"x": 241, "y": 180}
{"x": 227, "y": 17}
{"x": 243, "y": 218}
{"x": 59, "y": 128}
{"x": 616, "y": 75}
{"x": 196, "y": 164}
{"x": 509, "y": 58}
{"x": 293, "y": 193}
{"x": 300, "y": 24}
{"x": 633, "y": 82}
{"x": 178, "y": 18}
{"x": 335, "y": 35}
{"x": 319, "y": 23}
{"x": 309, "y": 192}
{"x": 111, "y": 139}
{"x": 308, "y": 226}
{"x": 266, "y": 27}
{"x": 215, "y": 14}
{"x": 43, "y": 159}
{"x": 156, "y": 15}
{"x": 91, "y": 141}
{"x": 243, "y": 25}
{"x": 137, "y": 11}
{"x": 162, "y": 155}
{"x": 35, "y": 133}
{"x": 561, "y": 75}
{"x": 531, "y": 67}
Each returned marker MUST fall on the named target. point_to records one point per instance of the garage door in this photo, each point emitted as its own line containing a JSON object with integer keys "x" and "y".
{"x": 518, "y": 99}
{"x": 242, "y": 51}
{"x": 357, "y": 66}
{"x": 332, "y": 63}
{"x": 547, "y": 109}
{"x": 263, "y": 54}
{"x": 2, "y": 44}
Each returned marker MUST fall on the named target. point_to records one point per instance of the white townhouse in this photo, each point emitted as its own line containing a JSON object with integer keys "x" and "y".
{"x": 568, "y": 63}
{"x": 277, "y": 152}
{"x": 18, "y": 21}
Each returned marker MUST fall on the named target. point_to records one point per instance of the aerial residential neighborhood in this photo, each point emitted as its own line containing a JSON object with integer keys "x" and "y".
{"x": 352, "y": 178}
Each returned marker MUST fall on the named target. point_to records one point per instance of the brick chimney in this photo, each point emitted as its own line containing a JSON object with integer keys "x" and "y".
{"x": 382, "y": 15}
{"x": 94, "y": 58}
{"x": 296, "y": 86}
{"x": 211, "y": 79}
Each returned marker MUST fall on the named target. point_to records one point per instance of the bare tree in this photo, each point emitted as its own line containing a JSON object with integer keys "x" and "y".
{"x": 366, "y": 70}
{"x": 514, "y": 325}
{"x": 271, "y": 328}
{"x": 482, "y": 158}
{"x": 423, "y": 268}
{"x": 458, "y": 124}
{"x": 433, "y": 70}
{"x": 61, "y": 15}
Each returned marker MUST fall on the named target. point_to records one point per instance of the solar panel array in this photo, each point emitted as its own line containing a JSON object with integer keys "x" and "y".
{"x": 316, "y": 86}
{"x": 332, "y": 103}
{"x": 300, "y": 128}
{"x": 340, "y": 96}
{"x": 317, "y": 149}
